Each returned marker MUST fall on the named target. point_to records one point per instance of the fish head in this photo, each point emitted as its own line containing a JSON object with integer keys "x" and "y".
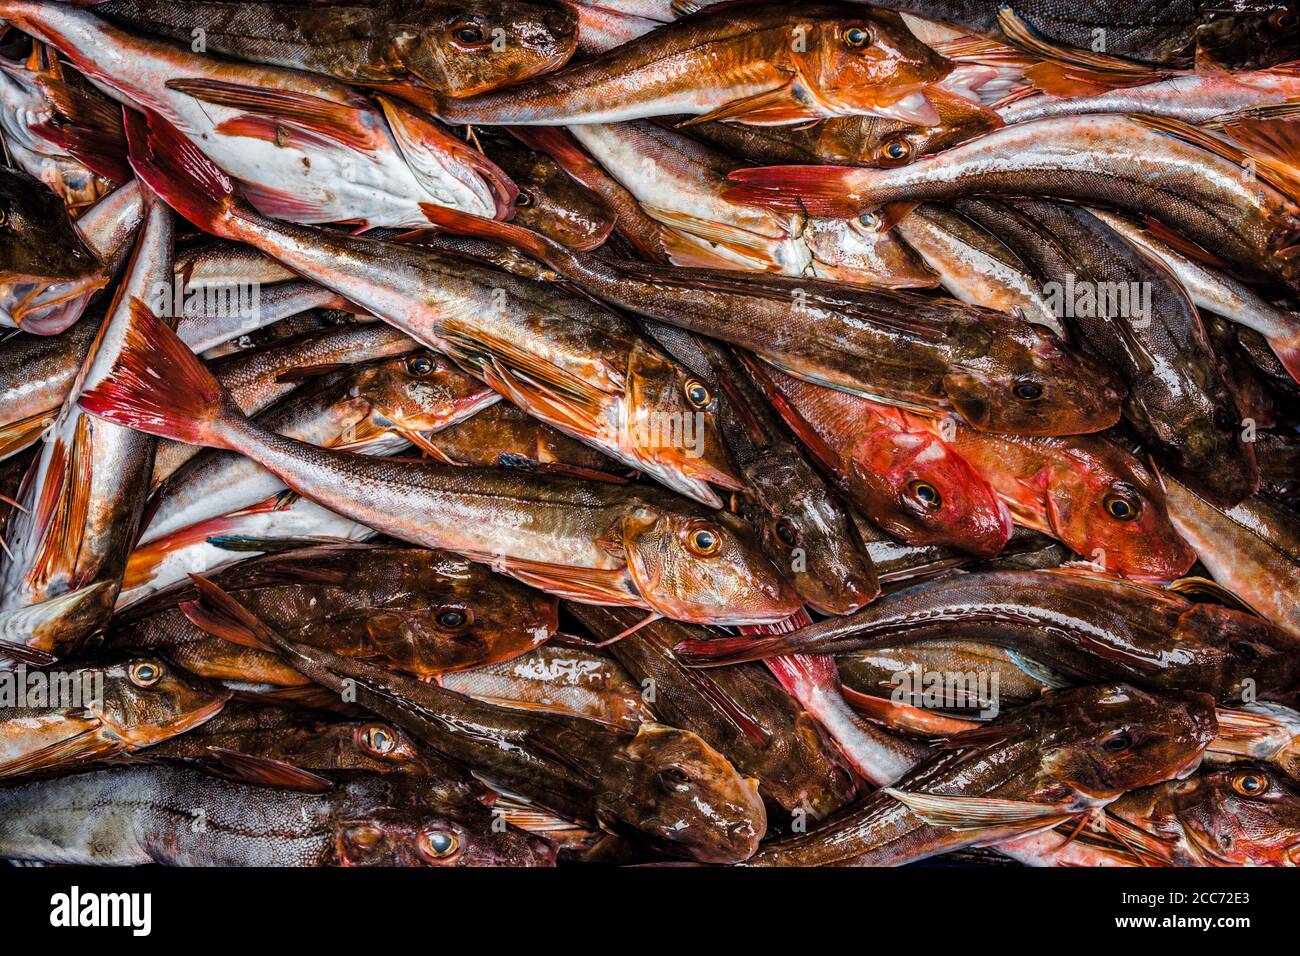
{"x": 872, "y": 63}
{"x": 1029, "y": 383}
{"x": 452, "y": 614}
{"x": 1210, "y": 443}
{"x": 414, "y": 824}
{"x": 806, "y": 533}
{"x": 1099, "y": 742}
{"x": 551, "y": 202}
{"x": 848, "y": 250}
{"x": 703, "y": 567}
{"x": 463, "y": 49}
{"x": 1240, "y": 814}
{"x": 1249, "y": 656}
{"x": 1250, "y": 35}
{"x": 420, "y": 391}
{"x": 682, "y": 796}
{"x": 146, "y": 699}
{"x": 928, "y": 494}
{"x": 38, "y": 241}
{"x": 1114, "y": 513}
{"x": 671, "y": 416}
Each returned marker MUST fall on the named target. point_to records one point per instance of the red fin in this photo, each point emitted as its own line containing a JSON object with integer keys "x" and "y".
{"x": 340, "y": 122}
{"x": 187, "y": 180}
{"x": 63, "y": 507}
{"x": 771, "y": 107}
{"x": 160, "y": 387}
{"x": 220, "y": 615}
{"x": 17, "y": 435}
{"x": 101, "y": 150}
{"x": 467, "y": 224}
{"x": 820, "y": 191}
{"x": 268, "y": 772}
{"x": 905, "y": 718}
{"x": 984, "y": 736}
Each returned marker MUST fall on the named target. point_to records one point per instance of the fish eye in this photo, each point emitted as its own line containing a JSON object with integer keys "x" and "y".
{"x": 1120, "y": 508}
{"x": 1027, "y": 391}
{"x": 1285, "y": 21}
{"x": 524, "y": 199}
{"x": 467, "y": 32}
{"x": 1250, "y": 784}
{"x": 436, "y": 844}
{"x": 674, "y": 779}
{"x": 1224, "y": 420}
{"x": 452, "y": 617}
{"x": 364, "y": 837}
{"x": 378, "y": 739}
{"x": 896, "y": 149}
{"x": 703, "y": 539}
{"x": 1244, "y": 650}
{"x": 870, "y": 220}
{"x": 145, "y": 673}
{"x": 697, "y": 393}
{"x": 856, "y": 37}
{"x": 1118, "y": 743}
{"x": 787, "y": 533}
{"x": 420, "y": 365}
{"x": 927, "y": 494}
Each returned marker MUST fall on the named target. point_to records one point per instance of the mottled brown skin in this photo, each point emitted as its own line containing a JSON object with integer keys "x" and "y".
{"x": 876, "y": 671}
{"x": 446, "y": 45}
{"x": 664, "y": 787}
{"x": 1086, "y": 626}
{"x": 1178, "y": 401}
{"x": 505, "y": 436}
{"x": 1070, "y": 752}
{"x": 145, "y": 814}
{"x": 421, "y": 612}
{"x": 740, "y": 711}
{"x": 1241, "y": 814}
{"x": 38, "y": 242}
{"x": 549, "y": 201}
{"x": 1245, "y": 34}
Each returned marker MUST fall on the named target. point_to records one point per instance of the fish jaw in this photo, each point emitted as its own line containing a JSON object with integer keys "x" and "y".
{"x": 50, "y": 308}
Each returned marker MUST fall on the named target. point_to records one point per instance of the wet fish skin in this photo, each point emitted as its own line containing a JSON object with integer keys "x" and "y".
{"x": 36, "y": 373}
{"x": 877, "y": 672}
{"x": 38, "y": 241}
{"x": 504, "y": 436}
{"x": 549, "y": 200}
{"x": 661, "y": 785}
{"x": 429, "y": 43}
{"x": 418, "y": 611}
{"x": 1085, "y": 625}
{"x": 737, "y": 710}
{"x": 144, "y": 700}
{"x": 127, "y": 816}
{"x": 1070, "y": 752}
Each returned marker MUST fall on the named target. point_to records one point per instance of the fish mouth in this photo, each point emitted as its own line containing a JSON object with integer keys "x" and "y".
{"x": 48, "y": 308}
{"x": 966, "y": 80}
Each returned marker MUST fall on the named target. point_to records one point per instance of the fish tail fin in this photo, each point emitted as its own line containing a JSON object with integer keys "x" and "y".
{"x": 160, "y": 387}
{"x": 1287, "y": 351}
{"x": 821, "y": 191}
{"x": 189, "y": 182}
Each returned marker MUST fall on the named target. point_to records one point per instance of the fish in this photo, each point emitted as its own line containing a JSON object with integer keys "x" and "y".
{"x": 373, "y": 408}
{"x": 1217, "y": 291}
{"x": 890, "y": 672}
{"x": 45, "y": 111}
{"x": 585, "y": 539}
{"x": 549, "y": 200}
{"x": 388, "y": 45}
{"x": 737, "y": 710}
{"x": 576, "y": 366}
{"x": 555, "y": 679}
{"x": 83, "y": 500}
{"x": 766, "y": 64}
{"x": 660, "y": 785}
{"x": 893, "y": 346}
{"x": 126, "y": 816}
{"x": 505, "y": 437}
{"x": 1260, "y": 731}
{"x": 678, "y": 183}
{"x": 1252, "y": 548}
{"x": 1181, "y": 176}
{"x": 1181, "y": 34}
{"x": 803, "y": 527}
{"x": 909, "y": 482}
{"x": 257, "y": 378}
{"x": 1083, "y": 624}
{"x": 1086, "y": 491}
{"x": 974, "y": 265}
{"x": 1143, "y": 323}
{"x": 420, "y": 612}
{"x": 41, "y": 296}
{"x": 117, "y": 707}
{"x": 36, "y": 374}
{"x": 1067, "y": 754}
{"x": 307, "y": 148}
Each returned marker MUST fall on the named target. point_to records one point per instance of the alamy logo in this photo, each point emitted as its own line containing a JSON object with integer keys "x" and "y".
{"x": 74, "y": 908}
{"x": 1077, "y": 298}
{"x": 46, "y": 688}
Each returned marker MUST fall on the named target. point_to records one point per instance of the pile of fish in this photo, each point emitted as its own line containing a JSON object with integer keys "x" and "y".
{"x": 535, "y": 432}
